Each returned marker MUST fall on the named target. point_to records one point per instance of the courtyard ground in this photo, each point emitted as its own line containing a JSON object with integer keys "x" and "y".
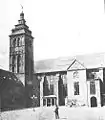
{"x": 65, "y": 113}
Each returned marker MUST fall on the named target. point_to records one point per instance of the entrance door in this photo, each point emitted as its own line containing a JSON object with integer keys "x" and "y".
{"x": 93, "y": 102}
{"x": 48, "y": 102}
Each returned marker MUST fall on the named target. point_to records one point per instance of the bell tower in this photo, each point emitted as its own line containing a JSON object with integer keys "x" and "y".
{"x": 21, "y": 52}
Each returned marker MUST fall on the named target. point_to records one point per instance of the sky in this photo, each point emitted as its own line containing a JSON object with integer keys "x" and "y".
{"x": 59, "y": 27}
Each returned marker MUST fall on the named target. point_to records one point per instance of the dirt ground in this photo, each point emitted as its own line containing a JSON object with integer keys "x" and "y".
{"x": 47, "y": 113}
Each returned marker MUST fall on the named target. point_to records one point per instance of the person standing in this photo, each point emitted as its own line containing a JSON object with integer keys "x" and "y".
{"x": 56, "y": 112}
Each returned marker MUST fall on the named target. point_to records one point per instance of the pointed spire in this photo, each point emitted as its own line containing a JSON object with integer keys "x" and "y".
{"x": 21, "y": 14}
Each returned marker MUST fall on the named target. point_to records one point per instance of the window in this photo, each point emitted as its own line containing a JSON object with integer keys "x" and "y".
{"x": 92, "y": 73}
{"x": 92, "y": 87}
{"x": 76, "y": 88}
{"x": 18, "y": 42}
{"x": 18, "y": 63}
{"x": 75, "y": 75}
{"x": 45, "y": 87}
{"x": 13, "y": 63}
{"x": 14, "y": 42}
{"x": 51, "y": 89}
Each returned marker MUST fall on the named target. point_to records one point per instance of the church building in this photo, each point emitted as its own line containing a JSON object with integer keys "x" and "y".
{"x": 73, "y": 81}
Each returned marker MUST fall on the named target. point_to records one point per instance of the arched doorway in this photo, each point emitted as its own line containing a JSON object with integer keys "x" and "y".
{"x": 93, "y": 102}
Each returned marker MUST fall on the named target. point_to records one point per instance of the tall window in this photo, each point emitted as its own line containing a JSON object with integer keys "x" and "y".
{"x": 18, "y": 42}
{"x": 51, "y": 89}
{"x": 76, "y": 88}
{"x": 92, "y": 87}
{"x": 13, "y": 64}
{"x": 18, "y": 63}
{"x": 14, "y": 42}
{"x": 45, "y": 87}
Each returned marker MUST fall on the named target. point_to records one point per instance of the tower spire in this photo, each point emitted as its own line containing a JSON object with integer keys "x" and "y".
{"x": 21, "y": 14}
{"x": 22, "y": 20}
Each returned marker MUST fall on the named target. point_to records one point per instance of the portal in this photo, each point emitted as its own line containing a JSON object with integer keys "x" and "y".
{"x": 93, "y": 102}
{"x": 50, "y": 100}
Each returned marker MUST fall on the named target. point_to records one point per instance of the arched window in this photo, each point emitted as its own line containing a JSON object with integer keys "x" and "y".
{"x": 18, "y": 63}
{"x": 13, "y": 63}
{"x": 45, "y": 87}
{"x": 18, "y": 41}
{"x": 14, "y": 42}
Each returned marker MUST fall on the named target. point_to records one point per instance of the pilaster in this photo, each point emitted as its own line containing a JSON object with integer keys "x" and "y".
{"x": 56, "y": 88}
{"x": 16, "y": 64}
{"x": 41, "y": 91}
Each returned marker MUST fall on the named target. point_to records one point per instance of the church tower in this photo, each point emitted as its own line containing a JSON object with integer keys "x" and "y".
{"x": 21, "y": 52}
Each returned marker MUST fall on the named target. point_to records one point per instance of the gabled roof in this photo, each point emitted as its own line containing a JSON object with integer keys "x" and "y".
{"x": 89, "y": 61}
{"x": 76, "y": 65}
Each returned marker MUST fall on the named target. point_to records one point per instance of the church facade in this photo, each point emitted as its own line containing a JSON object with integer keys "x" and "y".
{"x": 73, "y": 81}
{"x": 70, "y": 81}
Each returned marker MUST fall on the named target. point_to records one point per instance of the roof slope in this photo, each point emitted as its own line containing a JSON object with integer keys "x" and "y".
{"x": 76, "y": 65}
{"x": 6, "y": 76}
{"x": 92, "y": 60}
{"x": 61, "y": 64}
{"x": 52, "y": 65}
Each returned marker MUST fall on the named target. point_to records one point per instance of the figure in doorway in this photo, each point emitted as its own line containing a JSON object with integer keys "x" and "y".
{"x": 56, "y": 112}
